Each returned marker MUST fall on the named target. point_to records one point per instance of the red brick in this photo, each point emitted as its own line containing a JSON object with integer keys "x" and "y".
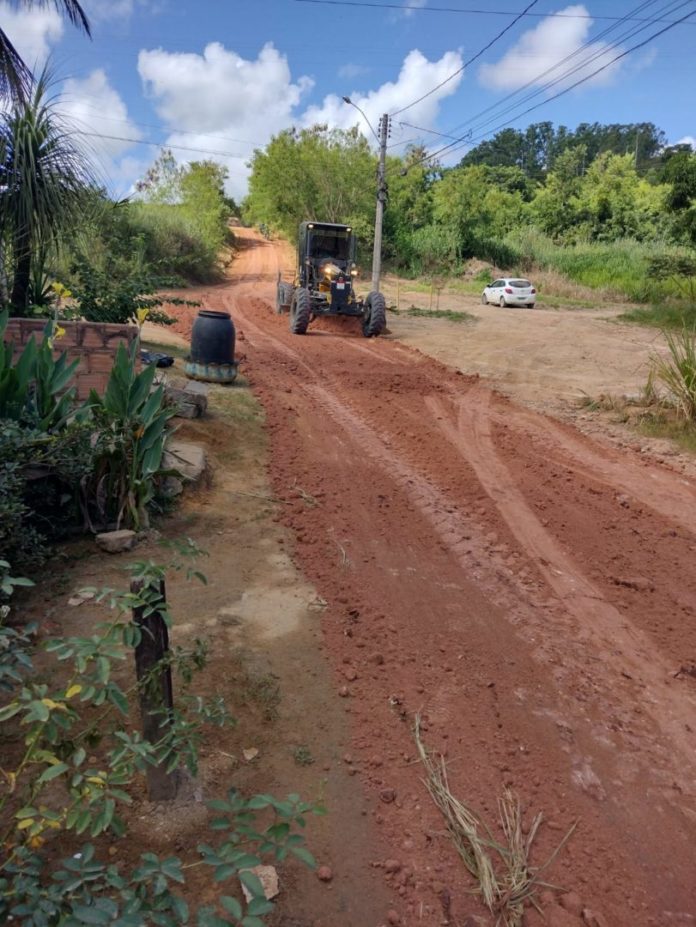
{"x": 100, "y": 362}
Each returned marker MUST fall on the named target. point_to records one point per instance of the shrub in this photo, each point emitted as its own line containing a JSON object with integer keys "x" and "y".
{"x": 678, "y": 371}
{"x": 79, "y": 708}
{"x": 131, "y": 420}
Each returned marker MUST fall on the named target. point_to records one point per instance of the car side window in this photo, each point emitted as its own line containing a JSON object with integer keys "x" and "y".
{"x": 496, "y": 283}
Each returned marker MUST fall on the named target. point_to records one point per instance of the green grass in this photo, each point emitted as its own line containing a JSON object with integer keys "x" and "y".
{"x": 449, "y": 315}
{"x": 663, "y": 315}
{"x": 302, "y": 755}
{"x": 660, "y": 426}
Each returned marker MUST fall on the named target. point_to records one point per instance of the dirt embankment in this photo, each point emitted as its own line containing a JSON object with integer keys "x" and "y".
{"x": 528, "y": 590}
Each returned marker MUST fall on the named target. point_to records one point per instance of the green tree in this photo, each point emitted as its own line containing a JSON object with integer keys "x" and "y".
{"x": 203, "y": 200}
{"x": 680, "y": 175}
{"x": 15, "y": 75}
{"x": 43, "y": 182}
{"x": 316, "y": 174}
{"x": 162, "y": 182}
{"x": 410, "y": 202}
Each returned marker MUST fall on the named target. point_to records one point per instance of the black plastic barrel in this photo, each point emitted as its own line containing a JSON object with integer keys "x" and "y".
{"x": 212, "y": 338}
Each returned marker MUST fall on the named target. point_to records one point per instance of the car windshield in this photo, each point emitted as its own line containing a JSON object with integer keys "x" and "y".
{"x": 330, "y": 243}
{"x": 520, "y": 284}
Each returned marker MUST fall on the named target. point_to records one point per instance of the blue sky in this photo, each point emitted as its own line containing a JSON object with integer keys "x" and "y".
{"x": 222, "y": 76}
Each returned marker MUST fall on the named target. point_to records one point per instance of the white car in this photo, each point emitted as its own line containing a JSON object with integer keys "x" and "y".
{"x": 510, "y": 291}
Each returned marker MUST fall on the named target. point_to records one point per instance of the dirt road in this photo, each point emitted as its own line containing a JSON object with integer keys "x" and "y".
{"x": 530, "y": 592}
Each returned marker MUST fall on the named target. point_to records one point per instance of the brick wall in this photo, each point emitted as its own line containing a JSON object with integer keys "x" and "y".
{"x": 94, "y": 344}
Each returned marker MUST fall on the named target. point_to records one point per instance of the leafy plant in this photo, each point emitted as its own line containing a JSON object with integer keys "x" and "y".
{"x": 54, "y": 788}
{"x": 34, "y": 388}
{"x": 678, "y": 371}
{"x": 102, "y": 298}
{"x": 44, "y": 178}
{"x": 132, "y": 420}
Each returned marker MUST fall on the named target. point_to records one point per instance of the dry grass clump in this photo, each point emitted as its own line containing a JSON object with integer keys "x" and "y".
{"x": 506, "y": 879}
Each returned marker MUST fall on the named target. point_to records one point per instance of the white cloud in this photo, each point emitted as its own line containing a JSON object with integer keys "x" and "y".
{"x": 117, "y": 9}
{"x": 31, "y": 31}
{"x": 209, "y": 100}
{"x": 411, "y": 5}
{"x": 351, "y": 71}
{"x": 544, "y": 47}
{"x": 417, "y": 77}
{"x": 91, "y": 105}
{"x": 687, "y": 140}
{"x": 227, "y": 106}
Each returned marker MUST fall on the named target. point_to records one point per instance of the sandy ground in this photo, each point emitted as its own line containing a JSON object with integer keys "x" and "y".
{"x": 528, "y": 590}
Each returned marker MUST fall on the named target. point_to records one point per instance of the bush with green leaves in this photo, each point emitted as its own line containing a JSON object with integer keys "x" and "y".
{"x": 131, "y": 419}
{"x": 78, "y": 708}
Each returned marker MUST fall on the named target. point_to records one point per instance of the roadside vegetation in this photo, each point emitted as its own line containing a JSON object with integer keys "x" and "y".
{"x": 57, "y": 226}
{"x": 592, "y": 207}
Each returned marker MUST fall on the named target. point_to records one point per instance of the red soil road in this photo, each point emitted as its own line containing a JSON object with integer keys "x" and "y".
{"x": 531, "y": 592}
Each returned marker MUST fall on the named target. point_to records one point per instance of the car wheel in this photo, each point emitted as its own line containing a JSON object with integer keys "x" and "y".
{"x": 484, "y": 299}
{"x": 502, "y": 303}
{"x": 530, "y": 305}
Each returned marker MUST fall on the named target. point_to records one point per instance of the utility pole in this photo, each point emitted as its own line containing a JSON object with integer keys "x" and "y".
{"x": 381, "y": 200}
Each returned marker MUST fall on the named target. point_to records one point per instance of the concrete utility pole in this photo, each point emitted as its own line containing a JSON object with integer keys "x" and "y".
{"x": 381, "y": 190}
{"x": 381, "y": 200}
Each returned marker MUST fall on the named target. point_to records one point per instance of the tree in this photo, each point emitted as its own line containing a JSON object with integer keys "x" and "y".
{"x": 202, "y": 187}
{"x": 15, "y": 75}
{"x": 321, "y": 174}
{"x": 43, "y": 182}
{"x": 162, "y": 182}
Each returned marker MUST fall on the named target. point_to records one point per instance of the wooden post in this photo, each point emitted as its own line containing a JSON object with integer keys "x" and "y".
{"x": 398, "y": 294}
{"x": 156, "y": 697}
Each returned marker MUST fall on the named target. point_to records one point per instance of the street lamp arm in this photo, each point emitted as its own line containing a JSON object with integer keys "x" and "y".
{"x": 355, "y": 105}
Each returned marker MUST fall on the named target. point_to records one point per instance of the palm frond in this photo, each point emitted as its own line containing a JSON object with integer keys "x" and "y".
{"x": 71, "y": 9}
{"x": 15, "y": 76}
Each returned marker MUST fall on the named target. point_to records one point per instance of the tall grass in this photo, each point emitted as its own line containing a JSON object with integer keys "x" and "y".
{"x": 677, "y": 372}
{"x": 619, "y": 267}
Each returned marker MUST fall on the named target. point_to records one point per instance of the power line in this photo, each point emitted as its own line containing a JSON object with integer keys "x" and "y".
{"x": 454, "y": 145}
{"x": 410, "y": 125}
{"x": 478, "y": 12}
{"x": 140, "y": 141}
{"x": 469, "y": 60}
{"x": 590, "y": 43}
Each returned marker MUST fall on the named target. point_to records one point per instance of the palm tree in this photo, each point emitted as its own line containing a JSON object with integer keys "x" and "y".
{"x": 15, "y": 75}
{"x": 43, "y": 182}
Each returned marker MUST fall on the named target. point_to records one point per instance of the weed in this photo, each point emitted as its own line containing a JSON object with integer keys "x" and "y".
{"x": 506, "y": 879}
{"x": 664, "y": 315}
{"x": 263, "y": 688}
{"x": 678, "y": 371}
{"x": 302, "y": 755}
{"x": 448, "y": 314}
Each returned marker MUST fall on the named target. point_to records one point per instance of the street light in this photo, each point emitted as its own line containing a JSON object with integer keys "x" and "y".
{"x": 350, "y": 103}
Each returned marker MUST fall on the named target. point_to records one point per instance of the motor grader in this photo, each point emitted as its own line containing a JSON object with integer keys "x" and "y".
{"x": 324, "y": 283}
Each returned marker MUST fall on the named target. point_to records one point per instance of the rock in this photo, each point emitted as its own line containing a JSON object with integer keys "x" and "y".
{"x": 572, "y": 902}
{"x": 344, "y": 691}
{"x": 388, "y": 795}
{"x": 81, "y": 597}
{"x": 116, "y": 542}
{"x": 593, "y": 920}
{"x": 188, "y": 459}
{"x": 350, "y": 674}
{"x": 392, "y": 865}
{"x": 191, "y": 400}
{"x": 268, "y": 877}
{"x": 250, "y": 754}
{"x": 393, "y": 917}
{"x": 324, "y": 874}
